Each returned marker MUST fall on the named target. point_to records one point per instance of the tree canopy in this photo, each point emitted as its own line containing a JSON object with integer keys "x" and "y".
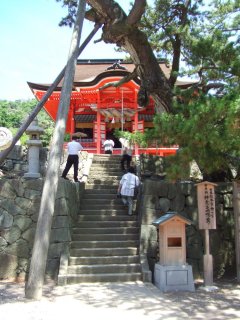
{"x": 13, "y": 114}
{"x": 199, "y": 39}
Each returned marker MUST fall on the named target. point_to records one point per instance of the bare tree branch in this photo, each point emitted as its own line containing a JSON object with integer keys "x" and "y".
{"x": 125, "y": 79}
{"x": 137, "y": 11}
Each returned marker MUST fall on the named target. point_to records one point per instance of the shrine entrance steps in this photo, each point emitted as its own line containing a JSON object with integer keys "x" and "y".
{"x": 105, "y": 241}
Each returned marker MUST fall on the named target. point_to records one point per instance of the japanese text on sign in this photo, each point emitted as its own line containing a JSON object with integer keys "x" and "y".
{"x": 206, "y": 206}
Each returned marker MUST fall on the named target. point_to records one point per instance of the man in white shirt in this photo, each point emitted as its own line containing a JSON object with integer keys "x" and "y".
{"x": 108, "y": 146}
{"x": 73, "y": 149}
{"x": 127, "y": 151}
{"x": 126, "y": 188}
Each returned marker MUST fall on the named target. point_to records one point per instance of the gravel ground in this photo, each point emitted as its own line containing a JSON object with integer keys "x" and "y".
{"x": 121, "y": 301}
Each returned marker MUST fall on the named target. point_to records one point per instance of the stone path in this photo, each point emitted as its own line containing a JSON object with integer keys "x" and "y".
{"x": 123, "y": 301}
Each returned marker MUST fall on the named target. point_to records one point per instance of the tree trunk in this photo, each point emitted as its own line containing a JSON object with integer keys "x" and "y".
{"x": 124, "y": 32}
{"x": 34, "y": 113}
{"x": 33, "y": 289}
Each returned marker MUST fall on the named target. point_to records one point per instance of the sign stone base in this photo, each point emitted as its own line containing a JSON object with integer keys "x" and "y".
{"x": 173, "y": 278}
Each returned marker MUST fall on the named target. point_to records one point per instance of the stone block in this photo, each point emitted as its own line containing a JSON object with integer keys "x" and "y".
{"x": 23, "y": 203}
{"x": 13, "y": 234}
{"x": 173, "y": 278}
{"x": 149, "y": 215}
{"x": 162, "y": 189}
{"x": 22, "y": 222}
{"x": 33, "y": 184}
{"x": 61, "y": 207}
{"x": 60, "y": 222}
{"x": 7, "y": 190}
{"x": 29, "y": 235}
{"x": 6, "y": 220}
{"x": 19, "y": 248}
{"x": 10, "y": 206}
{"x": 172, "y": 191}
{"x": 60, "y": 235}
{"x": 8, "y": 266}
{"x": 16, "y": 153}
{"x": 151, "y": 187}
{"x": 55, "y": 250}
{"x": 185, "y": 188}
{"x": 18, "y": 186}
{"x": 32, "y": 194}
{"x": 178, "y": 203}
{"x": 164, "y": 205}
{"x": 149, "y": 201}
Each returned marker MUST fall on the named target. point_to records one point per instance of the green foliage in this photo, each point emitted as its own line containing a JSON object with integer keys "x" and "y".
{"x": 208, "y": 133}
{"x": 14, "y": 113}
{"x": 199, "y": 38}
{"x": 134, "y": 138}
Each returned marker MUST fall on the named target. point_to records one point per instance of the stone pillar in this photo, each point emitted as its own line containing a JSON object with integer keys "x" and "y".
{"x": 34, "y": 145}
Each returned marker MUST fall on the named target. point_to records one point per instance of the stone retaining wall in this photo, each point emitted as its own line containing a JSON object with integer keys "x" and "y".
{"x": 159, "y": 197}
{"x": 19, "y": 206}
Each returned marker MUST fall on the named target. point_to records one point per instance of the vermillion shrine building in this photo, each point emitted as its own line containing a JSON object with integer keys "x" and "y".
{"x": 98, "y": 111}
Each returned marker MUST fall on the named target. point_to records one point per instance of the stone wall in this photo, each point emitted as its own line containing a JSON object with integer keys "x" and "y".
{"x": 19, "y": 206}
{"x": 160, "y": 197}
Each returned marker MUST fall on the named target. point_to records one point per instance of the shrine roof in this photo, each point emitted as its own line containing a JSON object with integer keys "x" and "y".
{"x": 169, "y": 216}
{"x": 89, "y": 71}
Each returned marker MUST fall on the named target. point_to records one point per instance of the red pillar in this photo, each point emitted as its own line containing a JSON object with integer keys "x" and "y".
{"x": 98, "y": 126}
{"x": 136, "y": 121}
{"x": 72, "y": 122}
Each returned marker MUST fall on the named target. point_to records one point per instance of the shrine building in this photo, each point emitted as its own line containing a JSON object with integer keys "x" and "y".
{"x": 98, "y": 111}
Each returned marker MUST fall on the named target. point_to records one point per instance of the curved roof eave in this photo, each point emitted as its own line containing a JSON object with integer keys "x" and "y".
{"x": 86, "y": 83}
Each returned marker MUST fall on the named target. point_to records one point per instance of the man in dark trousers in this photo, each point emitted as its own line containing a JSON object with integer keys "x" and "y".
{"x": 73, "y": 149}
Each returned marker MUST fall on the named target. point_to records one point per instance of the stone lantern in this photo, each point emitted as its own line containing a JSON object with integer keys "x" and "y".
{"x": 171, "y": 272}
{"x": 34, "y": 143}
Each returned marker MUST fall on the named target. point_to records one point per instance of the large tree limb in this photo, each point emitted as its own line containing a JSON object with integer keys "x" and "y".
{"x": 137, "y": 11}
{"x": 117, "y": 30}
{"x": 33, "y": 289}
{"x": 125, "y": 79}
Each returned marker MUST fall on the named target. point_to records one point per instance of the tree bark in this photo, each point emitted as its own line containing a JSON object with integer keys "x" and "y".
{"x": 124, "y": 32}
{"x": 34, "y": 113}
{"x": 33, "y": 289}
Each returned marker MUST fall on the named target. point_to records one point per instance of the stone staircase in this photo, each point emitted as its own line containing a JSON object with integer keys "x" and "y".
{"x": 105, "y": 241}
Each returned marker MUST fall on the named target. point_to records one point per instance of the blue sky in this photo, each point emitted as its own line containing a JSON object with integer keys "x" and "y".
{"x": 34, "y": 48}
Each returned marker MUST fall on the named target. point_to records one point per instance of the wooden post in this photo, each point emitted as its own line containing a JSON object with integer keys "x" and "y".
{"x": 236, "y": 209}
{"x": 33, "y": 289}
{"x": 206, "y": 221}
{"x": 33, "y": 114}
{"x": 207, "y": 262}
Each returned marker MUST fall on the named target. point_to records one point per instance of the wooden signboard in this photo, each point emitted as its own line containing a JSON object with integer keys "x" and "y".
{"x": 206, "y": 205}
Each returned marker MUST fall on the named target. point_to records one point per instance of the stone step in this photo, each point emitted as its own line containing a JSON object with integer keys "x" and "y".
{"x": 96, "y": 252}
{"x": 108, "y": 167}
{"x": 106, "y": 224}
{"x": 104, "y": 237}
{"x": 98, "y": 178}
{"x": 113, "y": 200}
{"x": 100, "y": 196}
{"x": 100, "y": 205}
{"x": 103, "y": 260}
{"x": 103, "y": 277}
{"x": 91, "y": 186}
{"x": 101, "y": 269}
{"x": 113, "y": 230}
{"x": 106, "y": 218}
{"x": 108, "y": 181}
{"x": 108, "y": 212}
{"x": 100, "y": 191}
{"x": 104, "y": 244}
